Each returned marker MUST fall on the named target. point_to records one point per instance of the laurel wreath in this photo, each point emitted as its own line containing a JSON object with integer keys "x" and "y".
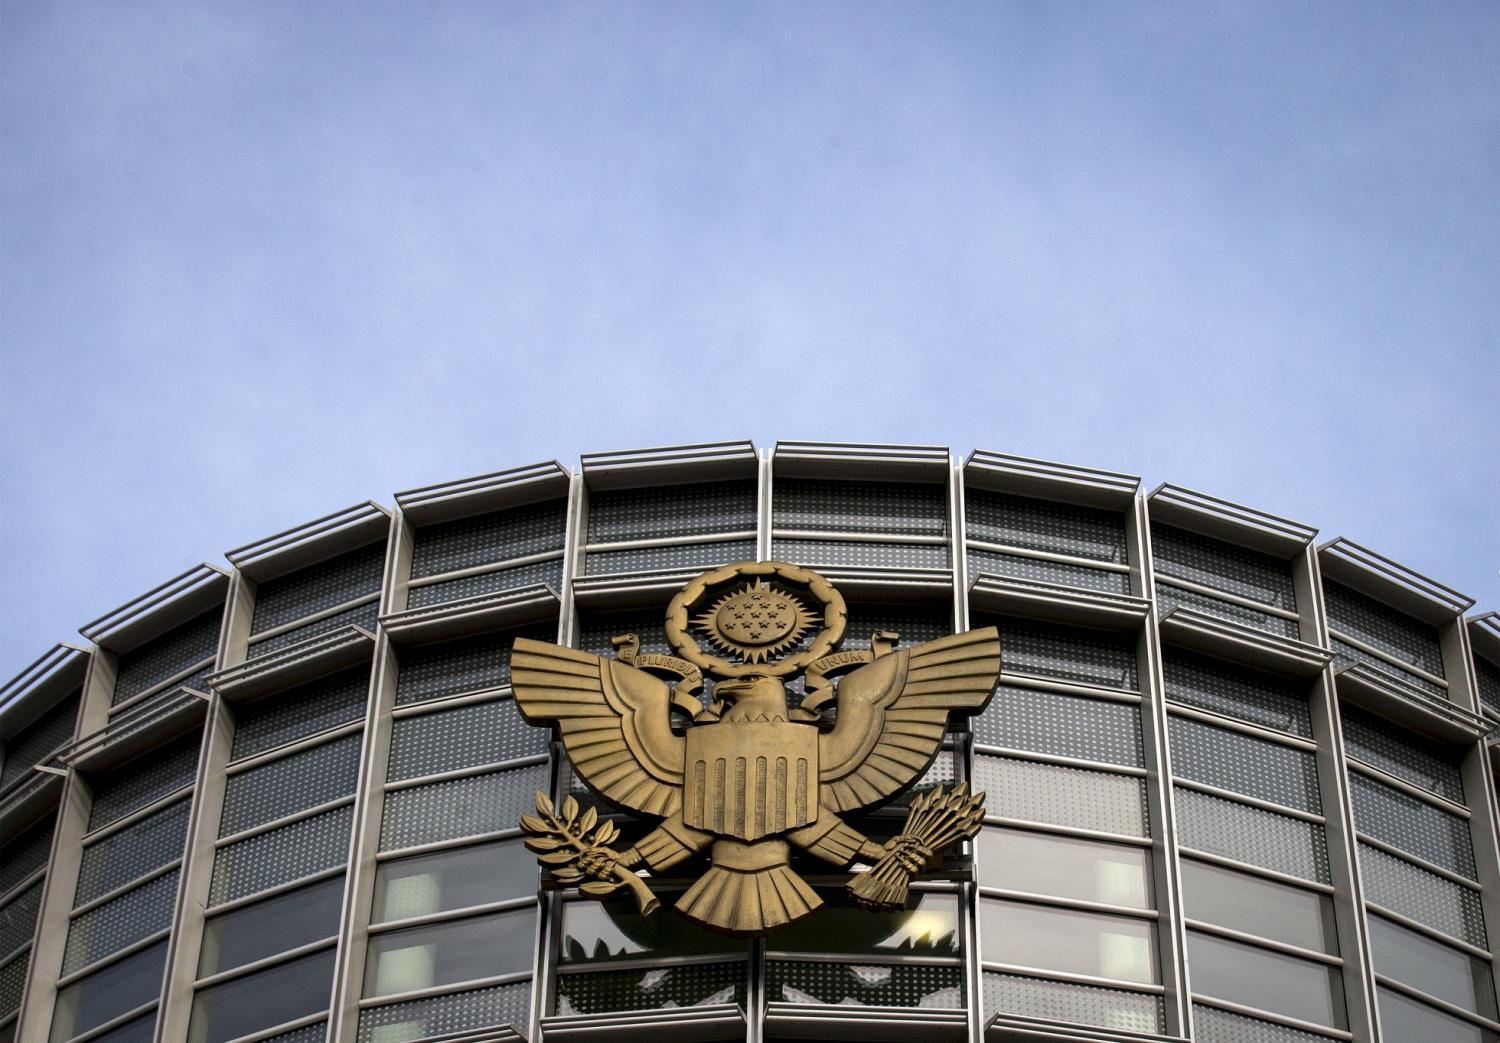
{"x": 562, "y": 841}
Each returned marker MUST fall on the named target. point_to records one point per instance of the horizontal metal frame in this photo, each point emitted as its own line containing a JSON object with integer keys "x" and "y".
{"x": 1397, "y": 783}
{"x": 125, "y": 888}
{"x": 1234, "y": 724}
{"x": 722, "y": 1021}
{"x": 285, "y": 1026}
{"x": 273, "y": 892}
{"x": 1151, "y": 915}
{"x": 1417, "y": 926}
{"x": 500, "y": 565}
{"x": 312, "y": 542}
{"x": 835, "y": 536}
{"x": 146, "y": 726}
{"x": 467, "y": 617}
{"x": 175, "y": 681}
{"x": 1387, "y": 657}
{"x": 1046, "y": 555}
{"x": 159, "y": 609}
{"x": 258, "y": 637}
{"x": 648, "y": 962}
{"x": 1027, "y": 825}
{"x": 1438, "y": 1004}
{"x": 294, "y": 665}
{"x": 115, "y": 1022}
{"x": 1071, "y": 977}
{"x": 231, "y": 839}
{"x": 1037, "y": 682}
{"x": 1250, "y": 868}
{"x": 1268, "y": 1015}
{"x": 1407, "y": 706}
{"x": 1261, "y": 942}
{"x": 653, "y": 588}
{"x": 1167, "y": 579}
{"x": 669, "y": 465}
{"x": 468, "y": 771}
{"x": 1402, "y": 588}
{"x": 1259, "y": 804}
{"x": 482, "y": 494}
{"x": 688, "y": 540}
{"x": 1418, "y": 861}
{"x": 504, "y": 905}
{"x": 368, "y": 1002}
{"x": 453, "y": 702}
{"x": 1048, "y": 480}
{"x": 139, "y": 945}
{"x": 31, "y": 797}
{"x": 1248, "y": 646}
{"x": 1226, "y": 520}
{"x": 1036, "y": 757}
{"x": 124, "y": 822}
{"x": 1017, "y": 1028}
{"x": 292, "y": 747}
{"x": 396, "y": 853}
{"x": 861, "y": 461}
{"x": 1057, "y": 603}
{"x": 1484, "y": 636}
{"x": 265, "y": 962}
{"x": 41, "y": 685}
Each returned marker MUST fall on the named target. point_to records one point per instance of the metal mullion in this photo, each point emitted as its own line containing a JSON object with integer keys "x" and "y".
{"x": 483, "y": 695}
{"x": 1419, "y": 862}
{"x": 1260, "y": 942}
{"x": 656, "y": 963}
{"x": 480, "y": 570}
{"x": 823, "y": 536}
{"x": 1387, "y": 657}
{"x": 650, "y": 542}
{"x": 1271, "y": 1016}
{"x": 1088, "y": 691}
{"x": 1433, "y": 1001}
{"x": 139, "y": 945}
{"x": 119, "y": 708}
{"x": 764, "y": 487}
{"x": 1063, "y": 902}
{"x": 292, "y": 748}
{"x": 871, "y": 959}
{"x": 312, "y": 617}
{"x": 287, "y": 820}
{"x": 505, "y": 905}
{"x": 1066, "y": 762}
{"x": 447, "y": 845}
{"x": 115, "y": 1022}
{"x": 125, "y": 888}
{"x": 1072, "y": 977}
{"x": 514, "y": 764}
{"x": 273, "y": 892}
{"x": 1249, "y": 801}
{"x": 124, "y": 822}
{"x": 275, "y": 959}
{"x": 1232, "y": 598}
{"x": 444, "y": 990}
{"x": 1254, "y": 870}
{"x": 1231, "y": 724}
{"x": 991, "y": 547}
{"x": 1029, "y": 826}
{"x": 1369, "y": 771}
{"x": 1428, "y": 932}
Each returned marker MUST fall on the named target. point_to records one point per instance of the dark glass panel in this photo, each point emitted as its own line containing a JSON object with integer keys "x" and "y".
{"x": 275, "y": 925}
{"x": 457, "y": 879}
{"x": 262, "y": 1000}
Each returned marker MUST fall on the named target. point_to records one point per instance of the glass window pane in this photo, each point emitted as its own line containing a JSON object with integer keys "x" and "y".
{"x": 441, "y": 954}
{"x": 1068, "y": 940}
{"x": 457, "y": 879}
{"x": 1437, "y": 969}
{"x": 1065, "y": 867}
{"x": 1254, "y": 905}
{"x": 262, "y": 1000}
{"x": 109, "y": 992}
{"x": 1402, "y": 1018}
{"x": 1265, "y": 980}
{"x": 595, "y": 932}
{"x": 928, "y": 926}
{"x": 253, "y": 932}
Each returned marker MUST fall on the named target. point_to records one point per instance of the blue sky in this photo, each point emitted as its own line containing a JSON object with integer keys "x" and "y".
{"x": 262, "y": 260}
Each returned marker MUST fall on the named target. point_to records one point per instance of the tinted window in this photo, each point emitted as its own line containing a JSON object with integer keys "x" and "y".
{"x": 263, "y": 1000}
{"x": 440, "y": 954}
{"x": 1068, "y": 940}
{"x": 1258, "y": 906}
{"x": 1265, "y": 980}
{"x": 596, "y": 931}
{"x": 108, "y": 993}
{"x": 1437, "y": 969}
{"x": 299, "y": 917}
{"x": 457, "y": 879}
{"x": 1406, "y": 1019}
{"x": 1065, "y": 867}
{"x": 928, "y": 926}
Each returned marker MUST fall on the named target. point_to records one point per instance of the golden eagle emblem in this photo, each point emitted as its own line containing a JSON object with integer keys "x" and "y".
{"x": 750, "y": 778}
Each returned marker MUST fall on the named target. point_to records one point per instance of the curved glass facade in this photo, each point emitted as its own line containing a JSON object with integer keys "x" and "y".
{"x": 1239, "y": 781}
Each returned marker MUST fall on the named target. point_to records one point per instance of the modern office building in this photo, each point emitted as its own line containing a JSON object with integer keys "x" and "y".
{"x": 1239, "y": 782}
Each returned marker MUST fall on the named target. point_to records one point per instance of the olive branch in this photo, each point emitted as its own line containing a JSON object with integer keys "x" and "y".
{"x": 561, "y": 839}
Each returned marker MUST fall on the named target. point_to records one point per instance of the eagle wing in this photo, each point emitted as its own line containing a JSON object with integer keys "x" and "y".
{"x": 613, "y": 718}
{"x": 892, "y": 714}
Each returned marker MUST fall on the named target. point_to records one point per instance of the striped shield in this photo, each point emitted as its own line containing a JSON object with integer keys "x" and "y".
{"x": 751, "y": 779}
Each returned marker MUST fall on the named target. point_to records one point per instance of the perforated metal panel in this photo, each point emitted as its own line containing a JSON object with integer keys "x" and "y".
{"x": 858, "y": 554}
{"x": 480, "y": 540}
{"x": 1347, "y": 655}
{"x": 648, "y": 559}
{"x": 1017, "y": 567}
{"x": 826, "y": 505}
{"x": 1050, "y": 1000}
{"x": 1380, "y": 626}
{"x": 1211, "y": 1025}
{"x": 466, "y": 737}
{"x": 282, "y": 855}
{"x": 312, "y": 708}
{"x": 864, "y": 984}
{"x": 617, "y": 515}
{"x": 1223, "y": 566}
{"x": 1251, "y": 835}
{"x": 596, "y": 629}
{"x": 307, "y": 1034}
{"x": 1243, "y": 764}
{"x": 294, "y": 783}
{"x": 1060, "y": 528}
{"x": 120, "y": 922}
{"x": 145, "y": 779}
{"x": 453, "y": 668}
{"x": 1425, "y": 897}
{"x": 1246, "y": 695}
{"x": 1169, "y": 598}
{"x": 1488, "y": 675}
{"x": 1415, "y": 826}
{"x": 1062, "y": 725}
{"x": 1062, "y": 796}
{"x": 39, "y": 740}
{"x": 168, "y": 655}
{"x": 449, "y": 1014}
{"x": 1407, "y": 756}
{"x": 1069, "y": 654}
{"x": 18, "y": 918}
{"x": 365, "y": 616}
{"x": 319, "y": 587}
{"x": 459, "y": 807}
{"x": 131, "y": 853}
{"x": 25, "y": 853}
{"x": 12, "y": 981}
{"x": 548, "y": 572}
{"x": 687, "y": 985}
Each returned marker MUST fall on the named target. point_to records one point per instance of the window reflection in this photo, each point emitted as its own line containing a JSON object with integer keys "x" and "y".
{"x": 598, "y": 932}
{"x": 457, "y": 879}
{"x": 1065, "y": 867}
{"x": 1255, "y": 905}
{"x": 445, "y": 953}
{"x": 1265, "y": 980}
{"x": 278, "y": 924}
{"x": 1434, "y": 968}
{"x": 1068, "y": 940}
{"x": 928, "y": 926}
